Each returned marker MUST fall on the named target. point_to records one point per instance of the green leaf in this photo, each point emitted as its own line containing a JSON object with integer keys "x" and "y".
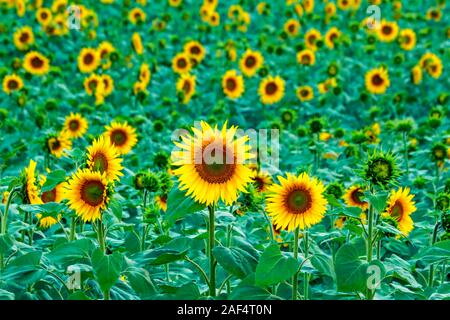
{"x": 273, "y": 267}
{"x": 6, "y": 295}
{"x": 247, "y": 292}
{"x": 179, "y": 205}
{"x": 378, "y": 201}
{"x": 235, "y": 261}
{"x": 324, "y": 264}
{"x": 438, "y": 252}
{"x": 159, "y": 256}
{"x": 107, "y": 268}
{"x": 53, "y": 179}
{"x": 78, "y": 295}
{"x": 6, "y": 243}
{"x": 141, "y": 282}
{"x": 71, "y": 252}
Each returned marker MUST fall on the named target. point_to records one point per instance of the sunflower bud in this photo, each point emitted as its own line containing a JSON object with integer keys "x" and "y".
{"x": 139, "y": 181}
{"x": 335, "y": 189}
{"x": 443, "y": 201}
{"x": 161, "y": 160}
{"x": 445, "y": 220}
{"x": 381, "y": 169}
{"x": 316, "y": 125}
{"x": 301, "y": 131}
{"x": 405, "y": 125}
{"x": 288, "y": 116}
{"x": 419, "y": 182}
{"x": 438, "y": 152}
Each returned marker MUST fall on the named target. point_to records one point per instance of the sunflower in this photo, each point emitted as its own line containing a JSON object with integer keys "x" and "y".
{"x": 122, "y": 136}
{"x": 305, "y": 93}
{"x": 311, "y": 38}
{"x": 292, "y": 27}
{"x": 250, "y": 62}
{"x": 233, "y": 84}
{"x": 353, "y": 197}
{"x": 105, "y": 49}
{"x": 104, "y": 158}
{"x": 262, "y": 181}
{"x": 308, "y": 5}
{"x": 271, "y": 89}
{"x": 12, "y": 82}
{"x": 88, "y": 60}
{"x": 306, "y": 57}
{"x": 35, "y": 63}
{"x": 108, "y": 84}
{"x": 214, "y": 19}
{"x": 137, "y": 16}
{"x": 387, "y": 31}
{"x": 434, "y": 14}
{"x": 297, "y": 202}
{"x": 331, "y": 36}
{"x": 186, "y": 86}
{"x": 416, "y": 75}
{"x": 206, "y": 178}
{"x": 195, "y": 50}
{"x": 136, "y": 42}
{"x": 75, "y": 125}
{"x": 330, "y": 10}
{"x": 377, "y": 80}
{"x": 328, "y": 84}
{"x": 407, "y": 39}
{"x": 59, "y": 5}
{"x": 344, "y": 4}
{"x": 87, "y": 194}
{"x": 94, "y": 84}
{"x": 58, "y": 144}
{"x": 432, "y": 64}
{"x": 181, "y": 63}
{"x": 31, "y": 191}
{"x": 23, "y": 38}
{"x": 54, "y": 195}
{"x": 175, "y": 3}
{"x": 161, "y": 202}
{"x": 400, "y": 206}
{"x": 44, "y": 16}
{"x": 145, "y": 73}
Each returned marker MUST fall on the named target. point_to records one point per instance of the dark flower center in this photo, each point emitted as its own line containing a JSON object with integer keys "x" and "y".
{"x": 37, "y": 62}
{"x": 74, "y": 125}
{"x": 119, "y": 137}
{"x": 215, "y": 168}
{"x": 230, "y": 84}
{"x": 181, "y": 63}
{"x": 195, "y": 50}
{"x": 13, "y": 84}
{"x": 250, "y": 62}
{"x": 298, "y": 201}
{"x": 49, "y": 196}
{"x": 377, "y": 80}
{"x": 88, "y": 59}
{"x": 387, "y": 30}
{"x": 92, "y": 192}
{"x": 24, "y": 37}
{"x": 271, "y": 88}
{"x": 100, "y": 163}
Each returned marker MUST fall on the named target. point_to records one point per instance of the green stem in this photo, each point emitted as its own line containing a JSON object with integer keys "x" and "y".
{"x": 433, "y": 241}
{"x": 73, "y": 226}
{"x": 4, "y": 225}
{"x": 200, "y": 269}
{"x": 272, "y": 236}
{"x": 211, "y": 242}
{"x": 306, "y": 275}
{"x": 405, "y": 146}
{"x": 295, "y": 277}
{"x": 370, "y": 243}
{"x": 101, "y": 236}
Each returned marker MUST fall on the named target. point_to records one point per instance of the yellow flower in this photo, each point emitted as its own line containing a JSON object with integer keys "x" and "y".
{"x": 305, "y": 93}
{"x": 311, "y": 38}
{"x": 31, "y": 191}
{"x": 145, "y": 73}
{"x": 262, "y": 181}
{"x": 59, "y": 144}
{"x": 306, "y": 57}
{"x": 161, "y": 202}
{"x": 181, "y": 63}
{"x": 292, "y": 27}
{"x": 104, "y": 158}
{"x": 388, "y": 31}
{"x": 175, "y": 3}
{"x": 250, "y": 62}
{"x": 434, "y": 14}
{"x": 344, "y": 4}
{"x": 211, "y": 164}
{"x": 44, "y": 16}
{"x": 108, "y": 84}
{"x": 36, "y": 64}
{"x": 331, "y": 36}
{"x": 137, "y": 15}
{"x": 104, "y": 50}
{"x": 353, "y": 197}
{"x": 407, "y": 39}
{"x": 233, "y": 84}
{"x": 308, "y": 5}
{"x": 87, "y": 195}
{"x": 75, "y": 125}
{"x": 23, "y": 38}
{"x": 432, "y": 64}
{"x": 94, "y": 84}
{"x": 297, "y": 202}
{"x": 271, "y": 89}
{"x": 122, "y": 136}
{"x": 400, "y": 207}
{"x": 377, "y": 80}
{"x": 88, "y": 60}
{"x": 416, "y": 75}
{"x": 136, "y": 41}
{"x": 186, "y": 86}
{"x": 12, "y": 82}
{"x": 195, "y": 50}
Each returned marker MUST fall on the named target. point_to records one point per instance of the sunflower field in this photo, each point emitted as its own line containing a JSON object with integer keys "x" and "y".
{"x": 224, "y": 150}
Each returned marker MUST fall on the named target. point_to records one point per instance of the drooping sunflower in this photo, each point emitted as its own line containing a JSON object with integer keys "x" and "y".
{"x": 331, "y": 36}
{"x": 297, "y": 202}
{"x": 271, "y": 89}
{"x": 175, "y": 3}
{"x": 31, "y": 190}
{"x": 44, "y": 16}
{"x": 122, "y": 136}
{"x": 308, "y": 5}
{"x": 181, "y": 63}
{"x": 54, "y": 195}
{"x": 250, "y": 62}
{"x": 105, "y": 50}
{"x": 434, "y": 14}
{"x": 94, "y": 84}
{"x": 353, "y": 197}
{"x": 211, "y": 164}
{"x": 407, "y": 39}
{"x": 292, "y": 27}
{"x": 87, "y": 194}
{"x": 377, "y": 80}
{"x": 108, "y": 84}
{"x": 388, "y": 31}
{"x": 400, "y": 206}
{"x": 311, "y": 38}
{"x": 88, "y": 60}
{"x": 161, "y": 202}
{"x": 104, "y": 158}
{"x": 305, "y": 93}
{"x": 432, "y": 64}
{"x": 195, "y": 50}
{"x": 23, "y": 38}
{"x": 145, "y": 73}
{"x": 186, "y": 86}
{"x": 262, "y": 181}
{"x": 12, "y": 82}
{"x": 59, "y": 144}
{"x": 75, "y": 125}
{"x": 35, "y": 63}
{"x": 344, "y": 4}
{"x": 137, "y": 16}
{"x": 306, "y": 57}
{"x": 416, "y": 75}
{"x": 233, "y": 84}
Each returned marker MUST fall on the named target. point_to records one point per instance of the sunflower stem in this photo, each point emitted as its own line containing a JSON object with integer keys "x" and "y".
{"x": 295, "y": 277}
{"x": 4, "y": 225}
{"x": 433, "y": 241}
{"x": 405, "y": 146}
{"x": 101, "y": 236}
{"x": 370, "y": 240}
{"x": 306, "y": 275}
{"x": 73, "y": 226}
{"x": 211, "y": 242}
{"x": 272, "y": 236}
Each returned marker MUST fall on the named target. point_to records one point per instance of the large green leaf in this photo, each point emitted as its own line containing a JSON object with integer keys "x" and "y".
{"x": 53, "y": 179}
{"x": 141, "y": 282}
{"x": 179, "y": 205}
{"x": 6, "y": 243}
{"x": 235, "y": 261}
{"x": 273, "y": 267}
{"x": 107, "y": 268}
{"x": 71, "y": 252}
{"x": 438, "y": 252}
